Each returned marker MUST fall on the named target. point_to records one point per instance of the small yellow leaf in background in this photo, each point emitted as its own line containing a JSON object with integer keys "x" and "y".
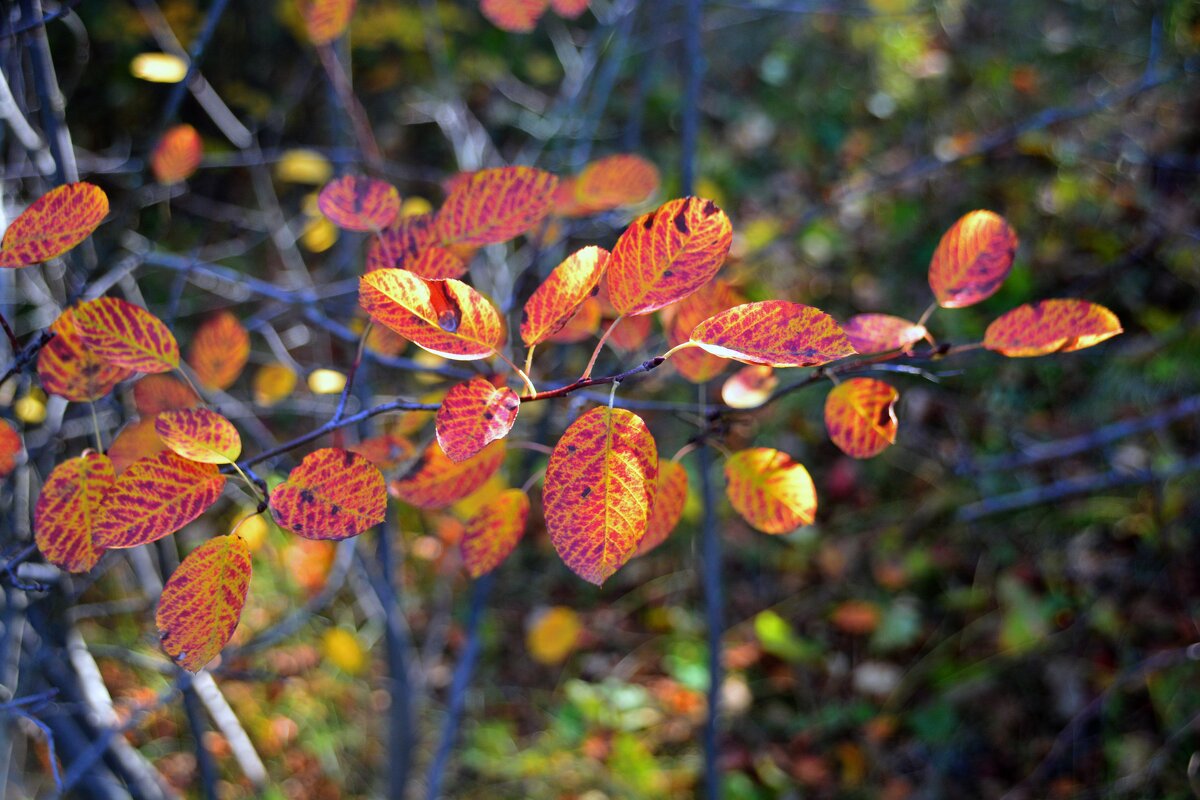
{"x": 342, "y": 649}
{"x": 553, "y": 634}
{"x": 319, "y": 235}
{"x": 303, "y": 166}
{"x": 158, "y": 67}
{"x": 326, "y": 381}
{"x": 272, "y": 383}
{"x": 31, "y": 409}
{"x": 254, "y": 530}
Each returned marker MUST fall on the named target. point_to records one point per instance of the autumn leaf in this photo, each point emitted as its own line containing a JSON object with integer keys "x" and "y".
{"x": 124, "y": 335}
{"x": 856, "y": 617}
{"x": 694, "y": 363}
{"x": 219, "y": 351}
{"x": 155, "y": 393}
{"x": 583, "y": 324}
{"x": 569, "y": 8}
{"x": 666, "y": 255}
{"x": 272, "y": 383}
{"x": 860, "y": 416}
{"x": 514, "y": 16}
{"x": 631, "y": 334}
{"x": 325, "y": 20}
{"x": 492, "y": 534}
{"x": 669, "y": 499}
{"x": 1051, "y": 326}
{"x": 202, "y": 601}
{"x": 332, "y": 494}
{"x": 495, "y": 205}
{"x": 599, "y": 490}
{"x": 68, "y": 368}
{"x": 10, "y": 448}
{"x": 398, "y": 245}
{"x": 136, "y": 440}
{"x": 473, "y": 415}
{"x": 386, "y": 451}
{"x": 749, "y": 387}
{"x": 553, "y": 634}
{"x": 774, "y": 333}
{"x": 359, "y": 203}
{"x": 53, "y": 224}
{"x": 769, "y": 490}
{"x": 198, "y": 434}
{"x": 177, "y": 155}
{"x": 615, "y": 181}
{"x": 972, "y": 259}
{"x": 156, "y": 496}
{"x": 435, "y": 481}
{"x": 559, "y": 297}
{"x": 68, "y": 506}
{"x": 879, "y": 333}
{"x": 447, "y": 318}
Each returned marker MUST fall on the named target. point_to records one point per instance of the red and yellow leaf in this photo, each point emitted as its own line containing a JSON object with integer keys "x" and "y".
{"x": 669, "y": 500}
{"x": 666, "y": 255}
{"x": 68, "y": 368}
{"x": 495, "y": 205}
{"x": 386, "y": 451}
{"x": 202, "y": 601}
{"x": 694, "y": 363}
{"x": 64, "y": 518}
{"x": 447, "y": 318}
{"x": 198, "y": 434}
{"x": 332, "y": 494}
{"x": 435, "y": 481}
{"x": 53, "y": 224}
{"x": 583, "y": 324}
{"x": 769, "y": 490}
{"x": 879, "y": 333}
{"x": 124, "y": 335}
{"x": 492, "y": 534}
{"x": 630, "y": 334}
{"x": 10, "y": 448}
{"x": 473, "y": 415}
{"x": 359, "y": 203}
{"x": 515, "y": 16}
{"x": 749, "y": 387}
{"x": 774, "y": 333}
{"x": 437, "y": 263}
{"x": 555, "y": 302}
{"x": 397, "y": 246}
{"x": 972, "y": 259}
{"x": 1051, "y": 326}
{"x": 156, "y": 496}
{"x": 615, "y": 181}
{"x": 155, "y": 393}
{"x": 325, "y": 20}
{"x": 177, "y": 155}
{"x": 599, "y": 490}
{"x": 860, "y": 416}
{"x": 219, "y": 351}
{"x": 136, "y": 440}
{"x": 569, "y": 8}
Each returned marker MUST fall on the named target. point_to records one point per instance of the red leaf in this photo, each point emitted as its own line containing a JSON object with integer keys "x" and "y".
{"x": 333, "y": 494}
{"x": 10, "y": 448}
{"x": 53, "y": 224}
{"x": 1051, "y": 326}
{"x": 972, "y": 259}
{"x": 68, "y": 368}
{"x": 177, "y": 155}
{"x": 495, "y": 205}
{"x": 879, "y": 333}
{"x": 694, "y": 363}
{"x": 325, "y": 20}
{"x": 560, "y": 296}
{"x": 156, "y": 496}
{"x": 358, "y": 203}
{"x": 492, "y": 534}
{"x": 669, "y": 500}
{"x": 613, "y": 182}
{"x": 774, "y": 333}
{"x": 67, "y": 509}
{"x": 202, "y": 601}
{"x": 473, "y": 415}
{"x": 860, "y": 416}
{"x": 569, "y": 8}
{"x": 435, "y": 481}
{"x": 769, "y": 490}
{"x": 124, "y": 335}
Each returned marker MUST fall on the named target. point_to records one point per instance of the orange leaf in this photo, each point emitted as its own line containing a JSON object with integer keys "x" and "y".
{"x": 749, "y": 387}
{"x": 615, "y": 181}
{"x": 68, "y": 368}
{"x": 447, "y": 318}
{"x": 569, "y": 8}
{"x": 879, "y": 333}
{"x": 631, "y": 334}
{"x": 666, "y": 255}
{"x": 515, "y": 16}
{"x": 124, "y": 335}
{"x": 771, "y": 491}
{"x": 177, "y": 155}
{"x": 333, "y": 494}
{"x": 10, "y": 447}
{"x": 669, "y": 500}
{"x": 774, "y": 333}
{"x": 972, "y": 259}
{"x": 552, "y": 304}
{"x": 136, "y": 440}
{"x": 553, "y": 634}
{"x": 325, "y": 20}
{"x": 155, "y": 393}
{"x": 860, "y": 416}
{"x": 1051, "y": 326}
{"x": 583, "y": 324}
{"x": 156, "y": 496}
{"x": 494, "y": 532}
{"x": 65, "y": 516}
{"x": 198, "y": 434}
{"x": 435, "y": 481}
{"x": 202, "y": 601}
{"x": 695, "y": 364}
{"x": 411, "y": 244}
{"x": 495, "y": 205}
{"x": 273, "y": 382}
{"x": 473, "y": 415}
{"x": 437, "y": 263}
{"x": 359, "y": 203}
{"x": 386, "y": 451}
{"x": 598, "y": 491}
{"x": 53, "y": 224}
{"x": 856, "y": 617}
{"x": 219, "y": 351}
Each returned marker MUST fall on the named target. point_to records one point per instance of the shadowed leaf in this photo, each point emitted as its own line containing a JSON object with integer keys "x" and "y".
{"x": 10, "y": 448}
{"x": 669, "y": 499}
{"x": 972, "y": 259}
{"x": 177, "y": 155}
{"x": 774, "y": 333}
{"x": 272, "y": 383}
{"x": 695, "y": 364}
{"x": 332, "y": 494}
{"x": 53, "y": 224}
{"x": 447, "y": 318}
{"x": 1051, "y": 326}
{"x": 495, "y": 205}
{"x": 769, "y": 490}
{"x": 198, "y": 434}
{"x": 155, "y": 393}
{"x": 583, "y": 324}
{"x": 473, "y": 415}
{"x": 219, "y": 351}
{"x": 125, "y": 335}
{"x": 515, "y": 16}
{"x": 749, "y": 387}
{"x": 435, "y": 481}
{"x": 613, "y": 182}
{"x": 68, "y": 506}
{"x": 68, "y": 368}
{"x": 557, "y": 299}
{"x": 492, "y": 534}
{"x": 359, "y": 203}
{"x": 395, "y": 247}
{"x": 202, "y": 601}
{"x": 569, "y": 8}
{"x": 879, "y": 333}
{"x": 386, "y": 451}
{"x": 860, "y": 416}
{"x": 136, "y": 440}
{"x": 156, "y": 496}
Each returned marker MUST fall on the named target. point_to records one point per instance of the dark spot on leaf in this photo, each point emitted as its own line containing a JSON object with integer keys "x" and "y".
{"x": 335, "y": 509}
{"x": 586, "y": 491}
{"x": 681, "y": 221}
{"x": 571, "y": 448}
{"x": 306, "y": 496}
{"x": 347, "y": 458}
{"x": 710, "y": 208}
{"x": 648, "y": 223}
{"x": 667, "y": 273}
{"x": 488, "y": 415}
{"x": 595, "y": 290}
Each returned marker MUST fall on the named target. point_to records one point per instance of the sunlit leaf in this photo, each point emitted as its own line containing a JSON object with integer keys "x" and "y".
{"x": 10, "y": 448}
{"x": 774, "y": 333}
{"x": 583, "y": 324}
{"x": 667, "y": 254}
{"x": 158, "y": 67}
{"x": 68, "y": 368}
{"x": 359, "y": 203}
{"x": 599, "y": 490}
{"x": 972, "y": 259}
{"x": 53, "y": 224}
{"x": 273, "y": 382}
{"x": 198, "y": 434}
{"x": 326, "y": 381}
{"x": 124, "y": 335}
{"x": 325, "y": 20}
{"x": 557, "y": 299}
{"x": 615, "y": 181}
{"x": 136, "y": 440}
{"x": 694, "y": 363}
{"x": 68, "y": 506}
{"x": 669, "y": 499}
{"x": 435, "y": 481}
{"x": 860, "y": 416}
{"x": 1051, "y": 326}
{"x": 494, "y": 532}
{"x": 31, "y": 407}
{"x": 749, "y": 387}
{"x": 332, "y": 494}
{"x": 155, "y": 393}
{"x": 343, "y": 649}
{"x": 447, "y": 318}
{"x": 879, "y": 333}
{"x": 219, "y": 351}
{"x": 304, "y": 166}
{"x": 202, "y": 601}
{"x": 769, "y": 490}
{"x": 553, "y": 634}
{"x": 495, "y": 205}
{"x": 177, "y": 155}
{"x": 515, "y": 16}
{"x": 473, "y": 415}
{"x": 156, "y": 496}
